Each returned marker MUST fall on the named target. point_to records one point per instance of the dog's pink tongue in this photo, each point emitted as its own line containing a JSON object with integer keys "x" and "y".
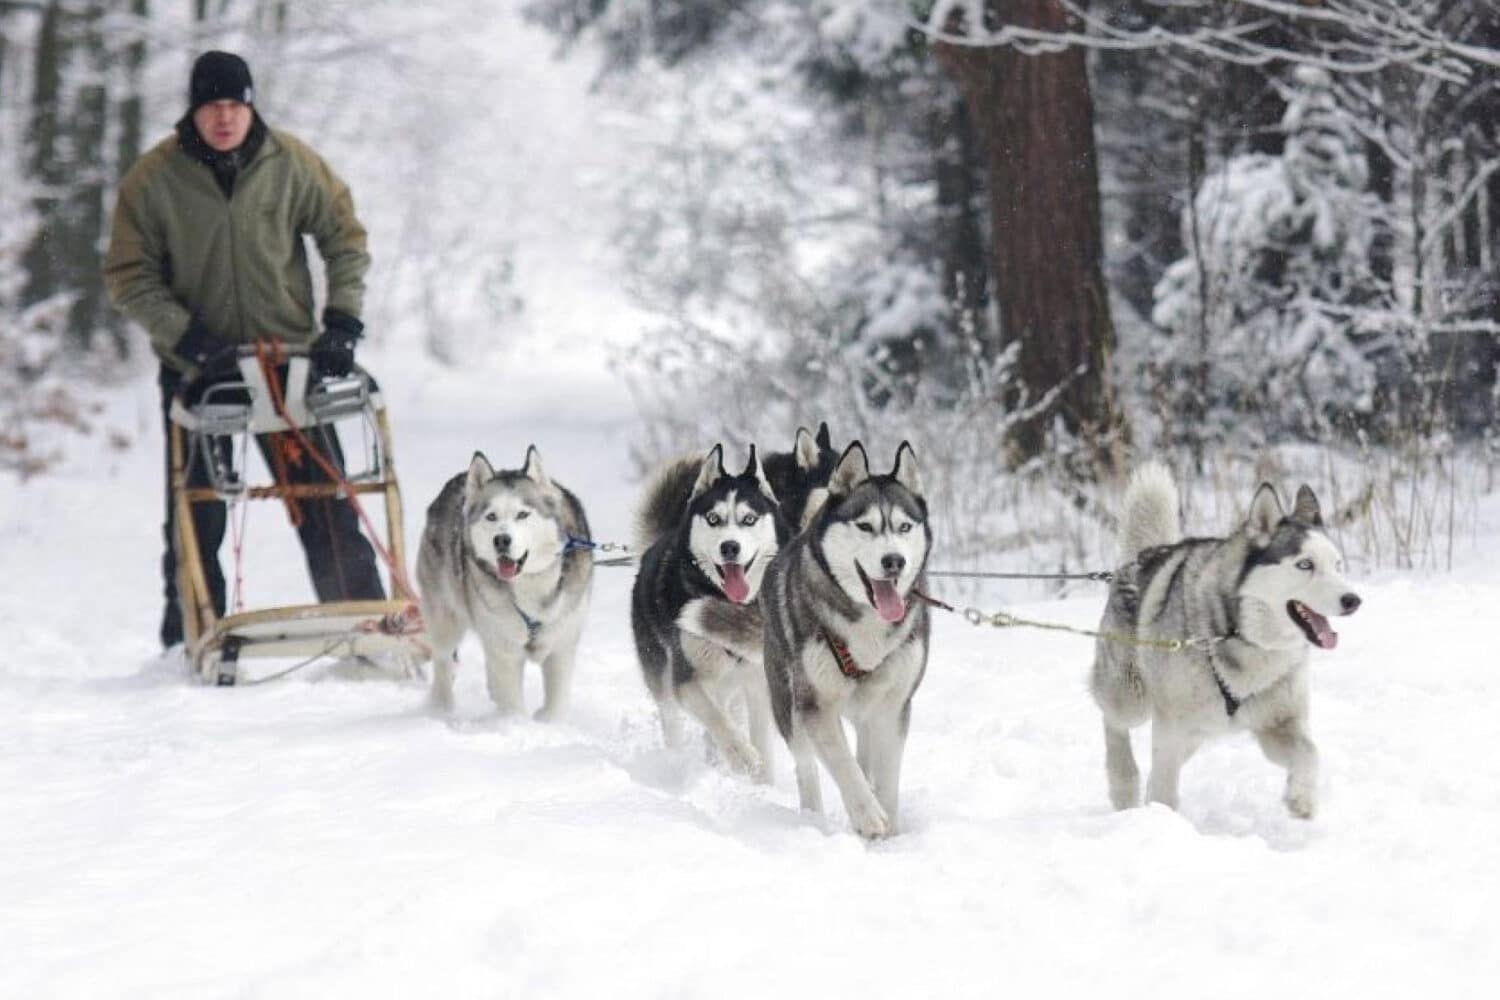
{"x": 1327, "y": 638}
{"x": 888, "y": 602}
{"x": 507, "y": 568}
{"x": 736, "y": 587}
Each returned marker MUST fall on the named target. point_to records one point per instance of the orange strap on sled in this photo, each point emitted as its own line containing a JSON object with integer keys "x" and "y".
{"x": 284, "y": 447}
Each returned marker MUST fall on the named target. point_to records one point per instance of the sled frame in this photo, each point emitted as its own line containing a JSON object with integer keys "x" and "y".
{"x": 358, "y": 628}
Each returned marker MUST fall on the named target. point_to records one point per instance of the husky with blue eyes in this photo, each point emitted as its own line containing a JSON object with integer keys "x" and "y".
{"x": 501, "y": 554}
{"x": 1249, "y": 604}
{"x": 846, "y": 635}
{"x": 707, "y": 537}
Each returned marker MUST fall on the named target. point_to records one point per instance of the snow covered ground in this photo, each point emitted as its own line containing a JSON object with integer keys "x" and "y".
{"x": 321, "y": 836}
{"x": 324, "y": 836}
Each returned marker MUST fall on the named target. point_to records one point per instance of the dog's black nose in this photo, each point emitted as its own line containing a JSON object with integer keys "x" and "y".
{"x": 502, "y": 542}
{"x": 730, "y": 550}
{"x": 1350, "y": 603}
{"x": 892, "y": 564}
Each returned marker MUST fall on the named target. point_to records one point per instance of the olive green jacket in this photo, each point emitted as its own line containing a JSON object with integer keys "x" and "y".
{"x": 179, "y": 248}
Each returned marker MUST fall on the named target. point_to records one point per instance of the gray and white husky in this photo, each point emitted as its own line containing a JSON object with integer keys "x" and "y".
{"x": 496, "y": 558}
{"x": 843, "y": 638}
{"x": 706, "y": 538}
{"x": 1250, "y": 605}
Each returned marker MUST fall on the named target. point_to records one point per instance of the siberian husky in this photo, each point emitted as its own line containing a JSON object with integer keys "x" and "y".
{"x": 1249, "y": 604}
{"x": 795, "y": 475}
{"x": 501, "y": 555}
{"x": 843, "y": 638}
{"x": 706, "y": 539}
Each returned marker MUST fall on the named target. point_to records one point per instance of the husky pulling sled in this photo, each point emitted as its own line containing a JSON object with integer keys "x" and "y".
{"x": 275, "y": 391}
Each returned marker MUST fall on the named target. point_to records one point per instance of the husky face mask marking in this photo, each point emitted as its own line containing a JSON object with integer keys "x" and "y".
{"x": 708, "y": 540}
{"x": 492, "y": 562}
{"x": 1295, "y": 567}
{"x": 842, "y": 645}
{"x": 1261, "y": 593}
{"x": 877, "y": 538}
{"x": 732, "y": 533}
{"x": 511, "y": 518}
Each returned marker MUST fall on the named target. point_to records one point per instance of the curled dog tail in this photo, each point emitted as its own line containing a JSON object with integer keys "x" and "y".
{"x": 1151, "y": 513}
{"x": 665, "y": 501}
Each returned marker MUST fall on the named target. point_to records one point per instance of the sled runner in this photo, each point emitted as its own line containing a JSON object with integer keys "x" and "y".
{"x": 274, "y": 391}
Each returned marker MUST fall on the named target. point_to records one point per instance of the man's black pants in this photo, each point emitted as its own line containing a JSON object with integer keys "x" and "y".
{"x": 339, "y": 558}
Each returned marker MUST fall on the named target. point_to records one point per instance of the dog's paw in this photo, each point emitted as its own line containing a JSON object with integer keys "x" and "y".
{"x": 548, "y": 713}
{"x": 1301, "y": 803}
{"x": 1125, "y": 795}
{"x": 870, "y": 821}
{"x": 743, "y": 759}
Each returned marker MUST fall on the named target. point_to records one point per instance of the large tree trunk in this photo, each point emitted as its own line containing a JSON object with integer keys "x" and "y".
{"x": 43, "y": 267}
{"x": 66, "y": 162}
{"x": 1034, "y": 118}
{"x": 86, "y": 223}
{"x": 131, "y": 110}
{"x": 966, "y": 285}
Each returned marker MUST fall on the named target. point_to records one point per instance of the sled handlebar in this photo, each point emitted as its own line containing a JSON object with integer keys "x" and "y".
{"x": 237, "y": 391}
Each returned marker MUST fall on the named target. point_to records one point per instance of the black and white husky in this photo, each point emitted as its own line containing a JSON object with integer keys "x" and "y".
{"x": 706, "y": 538}
{"x": 500, "y": 555}
{"x": 843, "y": 638}
{"x": 1249, "y": 604}
{"x": 795, "y": 475}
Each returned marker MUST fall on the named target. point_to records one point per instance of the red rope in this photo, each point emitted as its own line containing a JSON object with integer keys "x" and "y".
{"x": 274, "y": 353}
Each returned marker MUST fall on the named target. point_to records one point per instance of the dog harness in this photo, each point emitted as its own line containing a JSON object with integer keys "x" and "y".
{"x": 532, "y": 625}
{"x": 572, "y": 543}
{"x": 1231, "y": 703}
{"x": 844, "y": 658}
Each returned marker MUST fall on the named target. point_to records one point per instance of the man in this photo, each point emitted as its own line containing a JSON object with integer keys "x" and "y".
{"x": 206, "y": 254}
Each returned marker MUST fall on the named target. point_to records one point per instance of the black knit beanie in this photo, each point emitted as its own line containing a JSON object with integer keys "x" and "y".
{"x": 220, "y": 76}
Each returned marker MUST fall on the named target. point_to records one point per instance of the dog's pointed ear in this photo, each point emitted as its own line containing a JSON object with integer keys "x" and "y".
{"x": 805, "y": 450}
{"x": 1265, "y": 514}
{"x": 480, "y": 472}
{"x": 853, "y": 469}
{"x": 1305, "y": 509}
{"x": 754, "y": 469}
{"x": 709, "y": 472}
{"x": 905, "y": 471}
{"x": 533, "y": 468}
{"x": 823, "y": 440}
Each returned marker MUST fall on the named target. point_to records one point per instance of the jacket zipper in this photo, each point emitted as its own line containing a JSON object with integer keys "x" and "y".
{"x": 234, "y": 255}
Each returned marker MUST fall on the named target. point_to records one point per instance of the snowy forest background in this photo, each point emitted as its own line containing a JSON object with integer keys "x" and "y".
{"x": 1040, "y": 237}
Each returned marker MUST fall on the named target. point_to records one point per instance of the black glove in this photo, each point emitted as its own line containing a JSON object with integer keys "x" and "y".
{"x": 333, "y": 352}
{"x": 204, "y": 349}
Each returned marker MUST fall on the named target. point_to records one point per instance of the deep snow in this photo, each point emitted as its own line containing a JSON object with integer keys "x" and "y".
{"x": 325, "y": 836}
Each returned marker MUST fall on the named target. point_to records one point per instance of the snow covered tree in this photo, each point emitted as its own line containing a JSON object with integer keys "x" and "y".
{"x": 819, "y": 180}
{"x": 68, "y": 165}
{"x": 1163, "y": 117}
{"x": 1414, "y": 82}
{"x": 1271, "y": 297}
